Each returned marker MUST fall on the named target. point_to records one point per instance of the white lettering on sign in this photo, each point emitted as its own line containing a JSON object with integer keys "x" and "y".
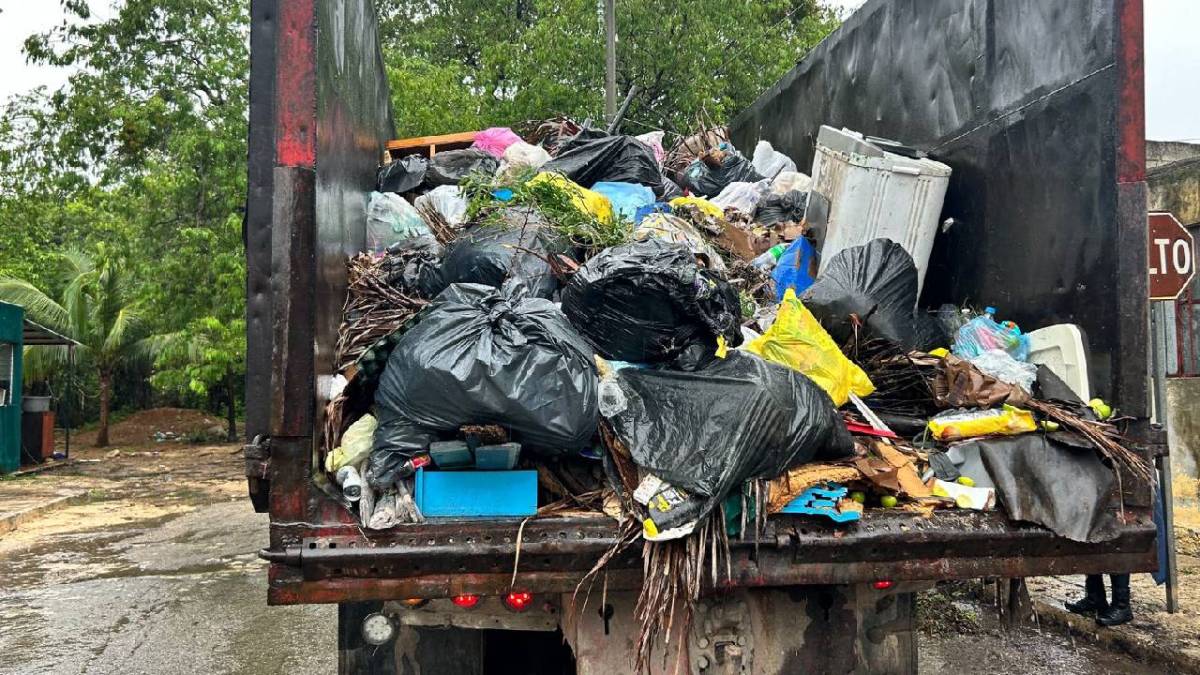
{"x": 1161, "y": 267}
{"x": 1181, "y": 255}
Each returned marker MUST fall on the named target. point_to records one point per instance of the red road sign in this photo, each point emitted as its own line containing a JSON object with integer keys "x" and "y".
{"x": 1172, "y": 257}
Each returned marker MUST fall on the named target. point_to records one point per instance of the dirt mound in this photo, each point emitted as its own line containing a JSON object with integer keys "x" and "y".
{"x": 139, "y": 428}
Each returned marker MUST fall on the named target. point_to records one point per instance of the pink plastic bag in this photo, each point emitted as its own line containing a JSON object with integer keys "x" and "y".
{"x": 495, "y": 140}
{"x": 654, "y": 139}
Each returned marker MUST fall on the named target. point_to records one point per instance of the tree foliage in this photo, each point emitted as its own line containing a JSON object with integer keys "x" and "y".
{"x": 464, "y": 64}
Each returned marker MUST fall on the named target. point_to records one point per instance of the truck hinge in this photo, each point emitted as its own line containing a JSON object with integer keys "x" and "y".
{"x": 257, "y": 454}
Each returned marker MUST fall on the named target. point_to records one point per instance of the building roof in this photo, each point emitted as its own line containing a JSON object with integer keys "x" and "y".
{"x": 34, "y": 334}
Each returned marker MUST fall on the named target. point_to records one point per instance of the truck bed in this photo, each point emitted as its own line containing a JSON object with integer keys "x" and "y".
{"x": 1048, "y": 198}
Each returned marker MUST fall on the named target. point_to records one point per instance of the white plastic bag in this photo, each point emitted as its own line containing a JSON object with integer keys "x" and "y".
{"x": 446, "y": 200}
{"x": 742, "y": 196}
{"x": 521, "y": 155}
{"x": 654, "y": 139}
{"x": 390, "y": 218}
{"x": 770, "y": 162}
{"x": 999, "y": 364}
{"x": 791, "y": 180}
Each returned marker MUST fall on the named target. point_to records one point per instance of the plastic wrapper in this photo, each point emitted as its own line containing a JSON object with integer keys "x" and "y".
{"x": 520, "y": 249}
{"x": 448, "y": 201}
{"x": 706, "y": 207}
{"x": 654, "y": 139}
{"x": 777, "y": 208}
{"x": 611, "y": 159}
{"x": 702, "y": 179}
{"x": 998, "y": 364}
{"x": 738, "y": 418}
{"x": 401, "y": 175}
{"x": 797, "y": 341}
{"x": 478, "y": 355}
{"x": 649, "y": 302}
{"x": 356, "y": 444}
{"x": 522, "y": 155}
{"x": 959, "y": 424}
{"x": 743, "y": 197}
{"x": 1040, "y": 479}
{"x": 982, "y": 334}
{"x": 587, "y": 201}
{"x": 877, "y": 282}
{"x": 415, "y": 266}
{"x": 770, "y": 162}
{"x": 451, "y": 166}
{"x": 626, "y": 198}
{"x": 671, "y": 228}
{"x": 958, "y": 384}
{"x": 495, "y": 140}
{"x": 390, "y": 218}
{"x": 791, "y": 181}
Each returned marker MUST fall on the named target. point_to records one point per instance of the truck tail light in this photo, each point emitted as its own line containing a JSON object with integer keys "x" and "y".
{"x": 465, "y": 601}
{"x": 518, "y": 601}
{"x": 883, "y": 584}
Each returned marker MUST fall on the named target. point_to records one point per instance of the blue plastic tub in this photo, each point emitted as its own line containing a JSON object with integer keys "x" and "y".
{"x": 476, "y": 494}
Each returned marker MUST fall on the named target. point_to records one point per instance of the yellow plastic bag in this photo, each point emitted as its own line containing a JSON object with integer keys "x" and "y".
{"x": 356, "y": 444}
{"x": 706, "y": 207}
{"x": 798, "y": 341}
{"x": 587, "y": 201}
{"x": 1005, "y": 422}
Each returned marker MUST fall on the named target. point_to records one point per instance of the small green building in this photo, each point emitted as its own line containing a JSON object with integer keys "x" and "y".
{"x": 12, "y": 323}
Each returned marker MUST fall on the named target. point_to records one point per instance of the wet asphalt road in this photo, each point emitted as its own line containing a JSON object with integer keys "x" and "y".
{"x": 181, "y": 594}
{"x": 186, "y": 593}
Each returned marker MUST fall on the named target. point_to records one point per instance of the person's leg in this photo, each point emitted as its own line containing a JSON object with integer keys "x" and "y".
{"x": 1119, "y": 611}
{"x": 1094, "y": 601}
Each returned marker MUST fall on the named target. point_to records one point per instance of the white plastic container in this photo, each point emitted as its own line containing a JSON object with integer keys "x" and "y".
{"x": 1060, "y": 348}
{"x": 866, "y": 192}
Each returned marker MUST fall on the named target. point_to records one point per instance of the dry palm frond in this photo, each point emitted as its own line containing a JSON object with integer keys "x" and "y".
{"x": 441, "y": 228}
{"x": 1102, "y": 435}
{"x": 373, "y": 309}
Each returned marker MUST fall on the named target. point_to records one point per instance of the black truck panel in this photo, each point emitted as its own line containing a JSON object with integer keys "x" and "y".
{"x": 1040, "y": 141}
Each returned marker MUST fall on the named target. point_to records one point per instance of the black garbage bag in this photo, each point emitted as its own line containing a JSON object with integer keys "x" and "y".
{"x": 401, "y": 175}
{"x": 451, "y": 166}
{"x": 704, "y": 180}
{"x": 877, "y": 282}
{"x": 648, "y": 302}
{"x": 1059, "y": 485}
{"x": 556, "y": 144}
{"x": 781, "y": 208}
{"x": 616, "y": 159}
{"x": 670, "y": 190}
{"x": 520, "y": 248}
{"x": 414, "y": 266}
{"x": 738, "y": 418}
{"x": 480, "y": 355}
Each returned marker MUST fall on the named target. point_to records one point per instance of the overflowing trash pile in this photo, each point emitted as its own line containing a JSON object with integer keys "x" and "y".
{"x": 654, "y": 335}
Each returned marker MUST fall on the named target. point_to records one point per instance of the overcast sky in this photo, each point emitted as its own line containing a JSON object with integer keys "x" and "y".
{"x": 1172, "y": 58}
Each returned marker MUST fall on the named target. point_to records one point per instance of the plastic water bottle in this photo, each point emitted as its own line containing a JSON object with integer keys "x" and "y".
{"x": 770, "y": 257}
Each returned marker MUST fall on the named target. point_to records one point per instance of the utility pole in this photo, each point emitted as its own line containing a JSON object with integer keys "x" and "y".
{"x": 610, "y": 59}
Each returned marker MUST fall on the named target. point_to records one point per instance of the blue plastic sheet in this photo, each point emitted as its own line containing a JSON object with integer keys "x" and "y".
{"x": 626, "y": 198}
{"x": 792, "y": 269}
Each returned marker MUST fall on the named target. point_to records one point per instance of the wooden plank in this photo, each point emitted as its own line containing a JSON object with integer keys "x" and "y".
{"x": 429, "y": 142}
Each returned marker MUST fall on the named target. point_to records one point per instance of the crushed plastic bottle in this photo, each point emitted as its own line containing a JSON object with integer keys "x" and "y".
{"x": 983, "y": 334}
{"x": 769, "y": 258}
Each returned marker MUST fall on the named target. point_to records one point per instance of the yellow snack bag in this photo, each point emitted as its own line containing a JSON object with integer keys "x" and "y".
{"x": 798, "y": 341}
{"x": 1008, "y": 421}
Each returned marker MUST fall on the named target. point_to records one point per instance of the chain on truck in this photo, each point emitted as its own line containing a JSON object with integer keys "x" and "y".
{"x": 495, "y": 381}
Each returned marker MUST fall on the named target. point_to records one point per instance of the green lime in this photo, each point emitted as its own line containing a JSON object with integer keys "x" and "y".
{"x": 887, "y": 501}
{"x": 859, "y": 496}
{"x": 966, "y": 480}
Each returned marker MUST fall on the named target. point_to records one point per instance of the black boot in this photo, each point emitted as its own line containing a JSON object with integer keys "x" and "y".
{"x": 1094, "y": 602}
{"x": 1119, "y": 611}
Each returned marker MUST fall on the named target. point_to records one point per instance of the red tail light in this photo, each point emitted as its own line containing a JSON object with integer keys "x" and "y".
{"x": 883, "y": 585}
{"x": 465, "y": 601}
{"x": 518, "y": 601}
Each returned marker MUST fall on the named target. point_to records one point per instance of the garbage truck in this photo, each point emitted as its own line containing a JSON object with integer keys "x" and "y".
{"x": 1037, "y": 107}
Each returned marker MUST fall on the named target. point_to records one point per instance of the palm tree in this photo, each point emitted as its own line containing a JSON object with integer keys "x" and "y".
{"x": 96, "y": 309}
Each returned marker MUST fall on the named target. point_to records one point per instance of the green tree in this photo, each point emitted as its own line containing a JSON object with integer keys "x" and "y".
{"x": 460, "y": 64}
{"x": 207, "y": 354}
{"x": 97, "y": 310}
